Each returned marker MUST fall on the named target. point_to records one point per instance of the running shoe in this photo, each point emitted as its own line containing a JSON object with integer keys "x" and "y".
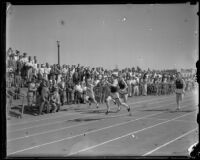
{"x": 118, "y": 109}
{"x": 106, "y": 112}
{"x": 97, "y": 105}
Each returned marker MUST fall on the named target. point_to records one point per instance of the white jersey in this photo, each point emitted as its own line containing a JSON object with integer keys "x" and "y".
{"x": 115, "y": 83}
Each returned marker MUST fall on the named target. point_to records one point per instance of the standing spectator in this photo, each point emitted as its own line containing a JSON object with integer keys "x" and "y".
{"x": 135, "y": 86}
{"x": 16, "y": 56}
{"x": 29, "y": 66}
{"x": 64, "y": 71}
{"x": 62, "y": 90}
{"x": 70, "y": 89}
{"x": 25, "y": 58}
{"x": 35, "y": 68}
{"x": 144, "y": 86}
{"x": 58, "y": 73}
{"x": 44, "y": 97}
{"x": 55, "y": 101}
{"x": 18, "y": 73}
{"x": 12, "y": 64}
{"x": 75, "y": 77}
{"x": 130, "y": 84}
{"x": 47, "y": 70}
{"x": 39, "y": 72}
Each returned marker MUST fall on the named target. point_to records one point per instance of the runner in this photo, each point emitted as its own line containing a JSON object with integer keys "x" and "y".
{"x": 180, "y": 89}
{"x": 114, "y": 95}
{"x": 90, "y": 93}
{"x": 123, "y": 90}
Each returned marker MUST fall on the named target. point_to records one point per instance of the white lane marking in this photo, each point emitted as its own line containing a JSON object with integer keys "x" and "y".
{"x": 49, "y": 131}
{"x": 76, "y": 125}
{"x": 61, "y": 121}
{"x": 174, "y": 120}
{"x": 165, "y": 144}
{"x": 118, "y": 124}
{"x": 33, "y": 120}
{"x": 59, "y": 129}
{"x": 37, "y": 146}
{"x": 114, "y": 139}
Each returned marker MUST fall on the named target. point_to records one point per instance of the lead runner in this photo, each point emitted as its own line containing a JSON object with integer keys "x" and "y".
{"x": 114, "y": 95}
{"x": 123, "y": 89}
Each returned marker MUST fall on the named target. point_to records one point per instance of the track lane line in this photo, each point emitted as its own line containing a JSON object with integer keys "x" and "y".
{"x": 174, "y": 120}
{"x": 118, "y": 124}
{"x": 93, "y": 131}
{"x": 77, "y": 125}
{"x": 130, "y": 133}
{"x": 165, "y": 144}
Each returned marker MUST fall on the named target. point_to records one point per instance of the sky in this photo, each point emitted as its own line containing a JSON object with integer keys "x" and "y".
{"x": 161, "y": 36}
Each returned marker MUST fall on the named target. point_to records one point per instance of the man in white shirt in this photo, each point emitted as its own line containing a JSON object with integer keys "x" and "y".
{"x": 41, "y": 70}
{"x": 24, "y": 58}
{"x": 136, "y": 86}
{"x": 47, "y": 70}
{"x": 29, "y": 66}
{"x": 16, "y": 56}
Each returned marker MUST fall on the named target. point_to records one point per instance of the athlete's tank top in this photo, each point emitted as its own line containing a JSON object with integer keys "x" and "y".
{"x": 114, "y": 87}
{"x": 121, "y": 84}
{"x": 179, "y": 84}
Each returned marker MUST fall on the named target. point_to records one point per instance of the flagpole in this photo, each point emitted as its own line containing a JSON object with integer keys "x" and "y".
{"x": 58, "y": 45}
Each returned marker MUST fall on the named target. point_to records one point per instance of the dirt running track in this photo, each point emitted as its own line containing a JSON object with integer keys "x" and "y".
{"x": 154, "y": 129}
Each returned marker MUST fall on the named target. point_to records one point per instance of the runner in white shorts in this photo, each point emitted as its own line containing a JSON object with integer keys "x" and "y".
{"x": 123, "y": 89}
{"x": 180, "y": 89}
{"x": 90, "y": 93}
{"x": 114, "y": 95}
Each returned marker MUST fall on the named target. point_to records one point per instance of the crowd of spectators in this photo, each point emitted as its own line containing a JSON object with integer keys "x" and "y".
{"x": 57, "y": 85}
